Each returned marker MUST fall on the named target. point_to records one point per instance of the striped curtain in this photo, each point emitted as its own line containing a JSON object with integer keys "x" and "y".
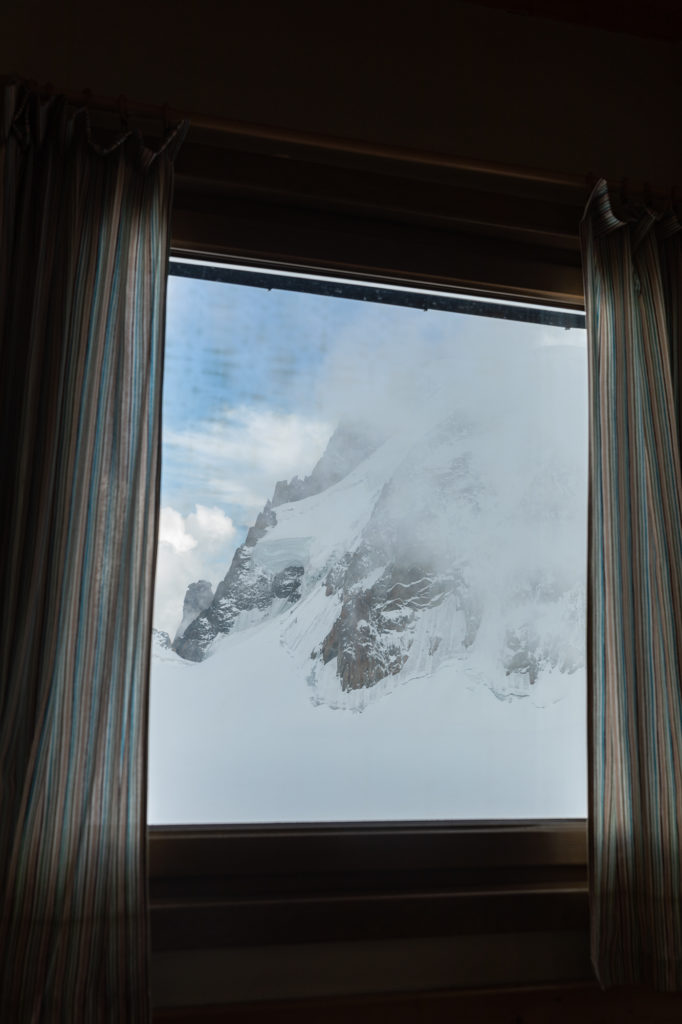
{"x": 633, "y": 284}
{"x": 84, "y": 234}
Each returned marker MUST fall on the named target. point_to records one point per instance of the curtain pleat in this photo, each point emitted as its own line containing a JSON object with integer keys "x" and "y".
{"x": 84, "y": 236}
{"x": 633, "y": 274}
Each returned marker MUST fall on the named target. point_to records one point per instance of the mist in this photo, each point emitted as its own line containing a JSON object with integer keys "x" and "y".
{"x": 511, "y": 399}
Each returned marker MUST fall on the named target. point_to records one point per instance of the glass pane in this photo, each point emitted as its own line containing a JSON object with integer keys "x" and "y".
{"x": 370, "y": 597}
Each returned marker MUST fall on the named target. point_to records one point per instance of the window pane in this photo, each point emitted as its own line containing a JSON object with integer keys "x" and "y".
{"x": 370, "y": 596}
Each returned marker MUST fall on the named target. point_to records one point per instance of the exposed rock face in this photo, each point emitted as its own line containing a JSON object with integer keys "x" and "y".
{"x": 287, "y": 583}
{"x": 373, "y": 634}
{"x": 264, "y": 521}
{"x": 198, "y": 597}
{"x": 367, "y": 637}
{"x": 347, "y": 447}
{"x": 160, "y": 638}
{"x": 246, "y": 590}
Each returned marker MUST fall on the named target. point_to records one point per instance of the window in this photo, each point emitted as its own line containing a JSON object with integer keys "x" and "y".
{"x": 224, "y": 885}
{"x": 390, "y": 506}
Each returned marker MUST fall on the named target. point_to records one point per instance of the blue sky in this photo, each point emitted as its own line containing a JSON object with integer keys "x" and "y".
{"x": 231, "y": 347}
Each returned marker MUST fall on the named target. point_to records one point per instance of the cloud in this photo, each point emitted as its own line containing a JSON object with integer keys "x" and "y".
{"x": 242, "y": 452}
{"x": 212, "y": 524}
{"x": 173, "y": 531}
{"x": 396, "y": 367}
{"x": 192, "y": 547}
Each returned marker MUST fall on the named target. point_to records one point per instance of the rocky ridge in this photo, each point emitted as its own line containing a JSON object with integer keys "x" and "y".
{"x": 197, "y": 598}
{"x": 248, "y": 589}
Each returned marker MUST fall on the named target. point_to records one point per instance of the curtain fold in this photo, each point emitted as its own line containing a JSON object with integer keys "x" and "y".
{"x": 632, "y": 264}
{"x": 84, "y": 237}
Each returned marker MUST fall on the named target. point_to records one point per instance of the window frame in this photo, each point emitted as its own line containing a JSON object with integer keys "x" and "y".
{"x": 292, "y": 208}
{"x": 231, "y": 885}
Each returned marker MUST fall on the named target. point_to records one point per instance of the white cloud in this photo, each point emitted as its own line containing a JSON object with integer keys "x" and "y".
{"x": 211, "y": 523}
{"x": 173, "y": 531}
{"x": 192, "y": 547}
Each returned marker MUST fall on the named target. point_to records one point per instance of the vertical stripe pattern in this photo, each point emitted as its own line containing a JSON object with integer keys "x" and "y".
{"x": 633, "y": 275}
{"x": 84, "y": 237}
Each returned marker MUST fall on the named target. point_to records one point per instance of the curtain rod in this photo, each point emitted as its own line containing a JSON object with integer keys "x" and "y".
{"x": 222, "y": 126}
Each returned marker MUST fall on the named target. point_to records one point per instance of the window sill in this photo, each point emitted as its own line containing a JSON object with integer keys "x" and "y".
{"x": 217, "y": 887}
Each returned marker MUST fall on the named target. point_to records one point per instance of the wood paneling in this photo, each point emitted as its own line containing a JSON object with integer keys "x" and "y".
{"x": 380, "y": 216}
{"x": 660, "y": 19}
{"x": 443, "y": 76}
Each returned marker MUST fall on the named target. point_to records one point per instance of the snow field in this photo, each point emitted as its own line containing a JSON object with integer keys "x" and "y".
{"x": 253, "y": 747}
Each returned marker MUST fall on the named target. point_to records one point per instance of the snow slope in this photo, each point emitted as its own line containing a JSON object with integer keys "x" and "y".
{"x": 251, "y": 746}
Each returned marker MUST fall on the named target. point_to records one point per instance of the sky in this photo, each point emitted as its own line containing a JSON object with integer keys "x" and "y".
{"x": 255, "y": 382}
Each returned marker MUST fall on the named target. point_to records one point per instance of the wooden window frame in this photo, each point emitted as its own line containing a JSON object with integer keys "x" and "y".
{"x": 291, "y": 206}
{"x": 233, "y": 885}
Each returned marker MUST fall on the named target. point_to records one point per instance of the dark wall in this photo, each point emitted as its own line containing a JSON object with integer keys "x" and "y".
{"x": 441, "y": 76}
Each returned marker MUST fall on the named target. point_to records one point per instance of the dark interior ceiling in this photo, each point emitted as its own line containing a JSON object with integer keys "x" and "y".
{"x": 655, "y": 19}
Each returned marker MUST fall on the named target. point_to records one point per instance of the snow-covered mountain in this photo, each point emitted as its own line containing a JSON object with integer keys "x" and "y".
{"x": 456, "y": 538}
{"x": 429, "y": 573}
